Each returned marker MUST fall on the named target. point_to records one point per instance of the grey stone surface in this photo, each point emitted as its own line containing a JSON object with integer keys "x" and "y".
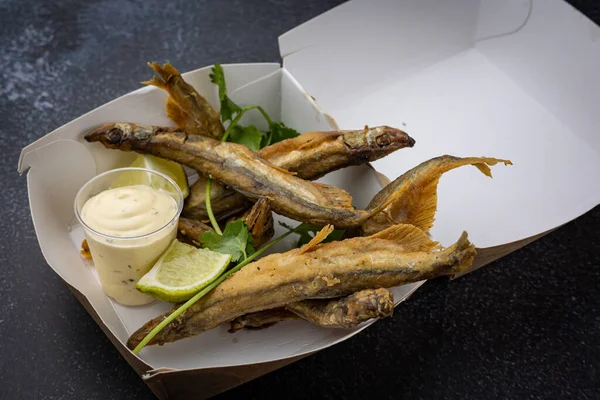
{"x": 526, "y": 326}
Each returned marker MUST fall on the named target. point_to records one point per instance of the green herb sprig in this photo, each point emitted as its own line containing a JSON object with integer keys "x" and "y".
{"x": 250, "y": 135}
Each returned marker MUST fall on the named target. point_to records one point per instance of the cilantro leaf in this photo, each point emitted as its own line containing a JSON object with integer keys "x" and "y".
{"x": 236, "y": 240}
{"x": 307, "y": 233}
{"x": 228, "y": 107}
{"x": 249, "y": 136}
{"x": 278, "y": 131}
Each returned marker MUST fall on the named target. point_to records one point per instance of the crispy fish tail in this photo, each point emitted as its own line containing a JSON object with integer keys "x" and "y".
{"x": 190, "y": 111}
{"x": 414, "y": 194}
{"x": 327, "y": 271}
{"x": 259, "y": 220}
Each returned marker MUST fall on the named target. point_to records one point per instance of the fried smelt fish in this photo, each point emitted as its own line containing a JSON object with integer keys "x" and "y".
{"x": 347, "y": 312}
{"x": 315, "y": 154}
{"x": 258, "y": 219}
{"x": 190, "y": 111}
{"x": 310, "y": 156}
{"x": 399, "y": 255}
{"x": 236, "y": 166}
{"x": 416, "y": 203}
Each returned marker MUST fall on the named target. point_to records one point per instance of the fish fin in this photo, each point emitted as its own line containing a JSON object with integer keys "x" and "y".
{"x": 298, "y": 143}
{"x": 165, "y": 71}
{"x": 176, "y": 113}
{"x": 259, "y": 220}
{"x": 410, "y": 237}
{"x": 315, "y": 138}
{"x": 413, "y": 198}
{"x": 422, "y": 213}
{"x": 465, "y": 252}
{"x": 373, "y": 211}
{"x": 319, "y": 237}
{"x": 156, "y": 81}
{"x": 338, "y": 198}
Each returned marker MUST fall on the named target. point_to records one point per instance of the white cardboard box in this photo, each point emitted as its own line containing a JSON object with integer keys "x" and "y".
{"x": 514, "y": 79}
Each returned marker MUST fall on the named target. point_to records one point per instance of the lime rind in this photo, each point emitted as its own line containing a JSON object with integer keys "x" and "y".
{"x": 182, "y": 271}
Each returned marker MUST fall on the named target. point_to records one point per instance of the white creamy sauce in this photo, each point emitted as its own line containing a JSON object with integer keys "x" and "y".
{"x": 129, "y": 211}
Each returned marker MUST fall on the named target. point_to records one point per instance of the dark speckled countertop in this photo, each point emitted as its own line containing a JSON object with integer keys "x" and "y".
{"x": 527, "y": 326}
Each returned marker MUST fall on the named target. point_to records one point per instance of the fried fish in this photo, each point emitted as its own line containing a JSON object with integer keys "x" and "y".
{"x": 315, "y": 154}
{"x": 346, "y": 312}
{"x": 190, "y": 111}
{"x": 399, "y": 255}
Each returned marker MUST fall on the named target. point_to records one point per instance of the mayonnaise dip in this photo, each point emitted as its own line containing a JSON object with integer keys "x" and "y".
{"x": 125, "y": 214}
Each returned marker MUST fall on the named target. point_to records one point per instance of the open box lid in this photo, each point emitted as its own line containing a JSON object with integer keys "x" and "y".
{"x": 516, "y": 79}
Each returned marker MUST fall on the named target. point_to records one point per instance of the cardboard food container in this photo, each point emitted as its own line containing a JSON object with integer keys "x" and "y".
{"x": 516, "y": 79}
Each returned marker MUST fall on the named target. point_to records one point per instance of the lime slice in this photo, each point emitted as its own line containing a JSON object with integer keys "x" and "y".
{"x": 172, "y": 169}
{"x": 182, "y": 271}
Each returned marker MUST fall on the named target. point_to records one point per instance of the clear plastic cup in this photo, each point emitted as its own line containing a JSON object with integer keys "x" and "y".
{"x": 121, "y": 260}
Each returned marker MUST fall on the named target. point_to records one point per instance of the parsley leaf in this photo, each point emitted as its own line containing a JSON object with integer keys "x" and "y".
{"x": 236, "y": 240}
{"x": 228, "y": 107}
{"x": 308, "y": 231}
{"x": 278, "y": 131}
{"x": 249, "y": 136}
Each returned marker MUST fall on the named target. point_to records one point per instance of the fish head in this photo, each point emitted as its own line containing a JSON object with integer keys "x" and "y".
{"x": 387, "y": 138}
{"x": 124, "y": 135}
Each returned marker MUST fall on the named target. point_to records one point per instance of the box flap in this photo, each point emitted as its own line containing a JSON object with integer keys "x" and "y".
{"x": 515, "y": 79}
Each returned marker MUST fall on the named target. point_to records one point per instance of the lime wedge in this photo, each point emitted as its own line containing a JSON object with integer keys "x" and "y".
{"x": 172, "y": 169}
{"x": 182, "y": 271}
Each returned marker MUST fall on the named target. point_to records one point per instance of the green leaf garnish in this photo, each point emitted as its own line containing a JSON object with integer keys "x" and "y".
{"x": 236, "y": 240}
{"x": 228, "y": 107}
{"x": 307, "y": 233}
{"x": 249, "y": 136}
{"x": 278, "y": 131}
{"x": 246, "y": 135}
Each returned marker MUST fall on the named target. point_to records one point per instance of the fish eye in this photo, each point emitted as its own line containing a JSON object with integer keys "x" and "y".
{"x": 383, "y": 140}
